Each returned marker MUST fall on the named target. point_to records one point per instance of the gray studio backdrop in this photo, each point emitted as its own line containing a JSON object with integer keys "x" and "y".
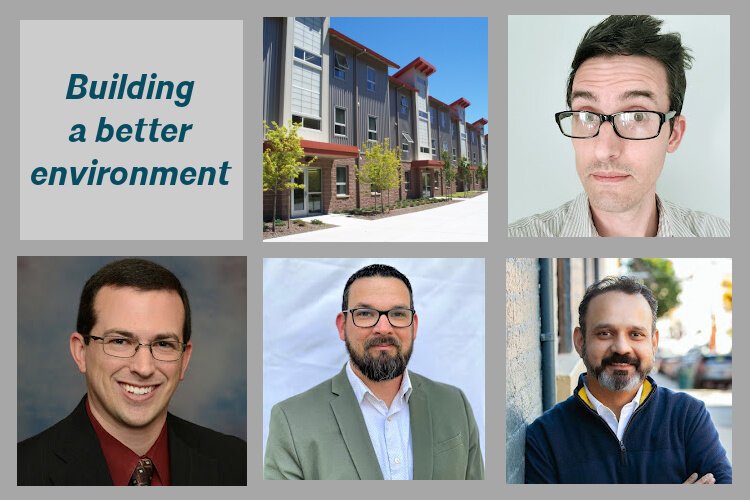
{"x": 301, "y": 347}
{"x": 541, "y": 162}
{"x": 214, "y": 392}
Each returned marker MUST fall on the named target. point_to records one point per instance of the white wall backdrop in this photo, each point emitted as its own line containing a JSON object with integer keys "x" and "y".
{"x": 301, "y": 347}
{"x": 541, "y": 162}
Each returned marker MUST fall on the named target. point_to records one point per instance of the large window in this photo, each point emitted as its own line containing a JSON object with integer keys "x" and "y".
{"x": 340, "y": 65}
{"x": 434, "y": 147}
{"x": 372, "y": 128}
{"x": 474, "y": 157}
{"x": 407, "y": 181}
{"x": 404, "y": 109}
{"x": 342, "y": 180}
{"x": 405, "y": 141}
{"x": 370, "y": 79}
{"x": 454, "y": 154}
{"x": 339, "y": 122}
{"x": 306, "y": 71}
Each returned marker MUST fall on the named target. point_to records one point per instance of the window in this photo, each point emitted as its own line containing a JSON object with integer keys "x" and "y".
{"x": 434, "y": 147}
{"x": 442, "y": 119}
{"x": 306, "y": 121}
{"x": 407, "y": 181}
{"x": 473, "y": 138}
{"x": 372, "y": 128}
{"x": 423, "y": 114}
{"x": 404, "y": 109}
{"x": 308, "y": 57}
{"x": 405, "y": 147}
{"x": 370, "y": 79}
{"x": 342, "y": 180}
{"x": 407, "y": 138}
{"x": 339, "y": 122}
{"x": 445, "y": 146}
{"x": 432, "y": 117}
{"x": 474, "y": 157}
{"x": 340, "y": 65}
{"x": 405, "y": 141}
{"x": 454, "y": 154}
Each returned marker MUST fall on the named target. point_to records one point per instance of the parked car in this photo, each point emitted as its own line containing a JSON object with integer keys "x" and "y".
{"x": 713, "y": 370}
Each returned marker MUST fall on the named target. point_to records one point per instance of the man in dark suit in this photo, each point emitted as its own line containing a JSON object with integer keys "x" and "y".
{"x": 133, "y": 345}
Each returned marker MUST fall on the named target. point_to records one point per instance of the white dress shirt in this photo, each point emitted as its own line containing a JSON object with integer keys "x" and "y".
{"x": 618, "y": 427}
{"x": 389, "y": 428}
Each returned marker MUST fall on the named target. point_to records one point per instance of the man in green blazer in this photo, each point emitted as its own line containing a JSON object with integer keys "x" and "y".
{"x": 375, "y": 419}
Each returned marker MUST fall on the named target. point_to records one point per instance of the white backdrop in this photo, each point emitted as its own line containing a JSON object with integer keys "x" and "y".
{"x": 541, "y": 162}
{"x": 301, "y": 347}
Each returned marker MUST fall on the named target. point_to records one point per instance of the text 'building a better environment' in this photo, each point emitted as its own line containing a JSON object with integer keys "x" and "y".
{"x": 341, "y": 94}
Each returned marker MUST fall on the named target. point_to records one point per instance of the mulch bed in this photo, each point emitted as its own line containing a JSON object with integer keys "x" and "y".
{"x": 401, "y": 211}
{"x": 295, "y": 229}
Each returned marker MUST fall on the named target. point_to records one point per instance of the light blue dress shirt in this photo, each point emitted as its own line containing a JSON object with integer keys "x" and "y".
{"x": 389, "y": 428}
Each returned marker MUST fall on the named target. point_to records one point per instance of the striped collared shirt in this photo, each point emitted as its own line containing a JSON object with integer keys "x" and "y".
{"x": 573, "y": 219}
{"x": 389, "y": 428}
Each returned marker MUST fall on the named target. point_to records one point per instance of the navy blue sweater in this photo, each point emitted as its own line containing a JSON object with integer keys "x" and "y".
{"x": 669, "y": 436}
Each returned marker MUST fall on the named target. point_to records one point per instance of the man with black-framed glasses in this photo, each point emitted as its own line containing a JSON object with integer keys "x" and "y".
{"x": 625, "y": 94}
{"x": 132, "y": 343}
{"x": 375, "y": 419}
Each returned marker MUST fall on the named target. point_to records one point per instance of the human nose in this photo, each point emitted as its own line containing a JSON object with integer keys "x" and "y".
{"x": 608, "y": 143}
{"x": 621, "y": 345}
{"x": 143, "y": 362}
{"x": 383, "y": 324}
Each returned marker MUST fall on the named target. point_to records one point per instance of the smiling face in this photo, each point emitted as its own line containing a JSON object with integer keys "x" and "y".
{"x": 619, "y": 175}
{"x": 132, "y": 393}
{"x": 380, "y": 352}
{"x": 618, "y": 346}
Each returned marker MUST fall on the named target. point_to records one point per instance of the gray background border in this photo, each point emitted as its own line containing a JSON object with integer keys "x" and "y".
{"x": 498, "y": 248}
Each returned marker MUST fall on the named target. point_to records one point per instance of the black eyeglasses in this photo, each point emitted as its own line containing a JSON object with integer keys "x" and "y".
{"x": 634, "y": 125}
{"x": 126, "y": 347}
{"x": 365, "y": 317}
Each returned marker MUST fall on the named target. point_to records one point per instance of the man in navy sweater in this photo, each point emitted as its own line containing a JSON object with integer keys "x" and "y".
{"x": 618, "y": 426}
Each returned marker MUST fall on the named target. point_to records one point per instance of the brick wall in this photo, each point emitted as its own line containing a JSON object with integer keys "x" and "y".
{"x": 523, "y": 360}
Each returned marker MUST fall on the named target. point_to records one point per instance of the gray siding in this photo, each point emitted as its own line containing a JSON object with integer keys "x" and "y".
{"x": 435, "y": 112}
{"x": 273, "y": 63}
{"x": 342, "y": 92}
{"x": 372, "y": 103}
{"x": 405, "y": 121}
{"x": 474, "y": 149}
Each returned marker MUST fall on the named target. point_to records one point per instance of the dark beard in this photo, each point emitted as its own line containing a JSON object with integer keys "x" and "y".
{"x": 383, "y": 366}
{"x": 619, "y": 380}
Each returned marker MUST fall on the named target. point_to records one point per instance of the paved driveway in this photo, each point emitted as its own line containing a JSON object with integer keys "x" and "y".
{"x": 464, "y": 220}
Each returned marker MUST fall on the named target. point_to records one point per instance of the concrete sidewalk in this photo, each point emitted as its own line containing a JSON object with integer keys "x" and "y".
{"x": 464, "y": 220}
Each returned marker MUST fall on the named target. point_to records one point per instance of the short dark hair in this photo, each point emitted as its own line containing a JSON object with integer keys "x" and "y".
{"x": 637, "y": 36}
{"x": 624, "y": 284}
{"x": 140, "y": 274}
{"x": 375, "y": 270}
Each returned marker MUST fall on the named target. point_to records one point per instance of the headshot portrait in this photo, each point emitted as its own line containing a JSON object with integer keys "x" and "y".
{"x": 373, "y": 368}
{"x": 619, "y": 370}
{"x": 105, "y": 343}
{"x": 618, "y": 126}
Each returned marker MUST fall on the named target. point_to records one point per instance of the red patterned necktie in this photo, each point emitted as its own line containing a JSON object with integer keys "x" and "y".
{"x": 142, "y": 473}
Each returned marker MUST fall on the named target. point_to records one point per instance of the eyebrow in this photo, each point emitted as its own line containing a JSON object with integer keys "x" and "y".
{"x": 362, "y": 305}
{"x": 601, "y": 326}
{"x": 625, "y": 96}
{"x": 157, "y": 337}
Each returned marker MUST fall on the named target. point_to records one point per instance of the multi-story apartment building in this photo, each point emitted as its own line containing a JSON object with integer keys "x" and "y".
{"x": 341, "y": 94}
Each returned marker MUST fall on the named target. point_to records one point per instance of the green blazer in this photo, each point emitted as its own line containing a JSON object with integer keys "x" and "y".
{"x": 321, "y": 434}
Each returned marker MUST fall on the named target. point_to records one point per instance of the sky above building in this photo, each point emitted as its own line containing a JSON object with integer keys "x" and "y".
{"x": 456, "y": 46}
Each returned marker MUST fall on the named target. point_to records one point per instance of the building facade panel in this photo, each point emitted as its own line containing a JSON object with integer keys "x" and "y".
{"x": 273, "y": 57}
{"x": 372, "y": 80}
{"x": 341, "y": 76}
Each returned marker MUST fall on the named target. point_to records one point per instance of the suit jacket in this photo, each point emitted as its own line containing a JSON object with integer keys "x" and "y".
{"x": 321, "y": 434}
{"x": 68, "y": 453}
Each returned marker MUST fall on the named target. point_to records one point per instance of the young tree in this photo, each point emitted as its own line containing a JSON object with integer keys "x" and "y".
{"x": 282, "y": 161}
{"x": 449, "y": 173}
{"x": 381, "y": 168}
{"x": 464, "y": 173}
{"x": 661, "y": 279}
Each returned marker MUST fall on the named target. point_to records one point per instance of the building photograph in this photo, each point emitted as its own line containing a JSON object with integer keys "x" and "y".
{"x": 351, "y": 83}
